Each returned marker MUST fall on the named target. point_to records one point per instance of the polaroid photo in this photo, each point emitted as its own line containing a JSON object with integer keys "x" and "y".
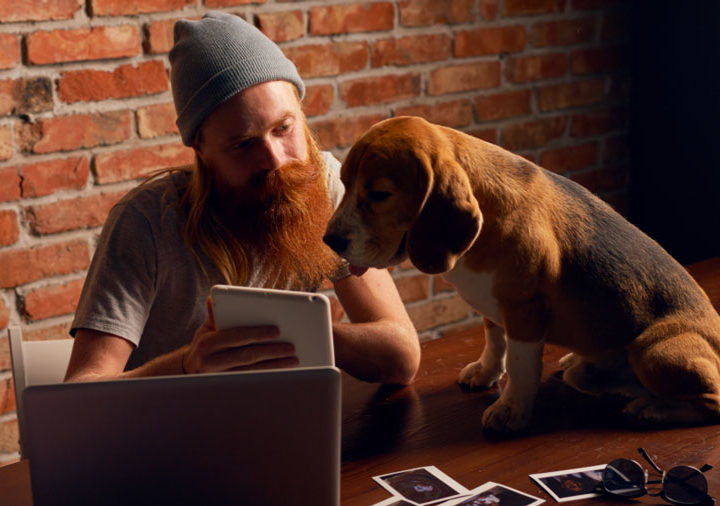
{"x": 571, "y": 484}
{"x": 421, "y": 485}
{"x": 394, "y": 501}
{"x": 495, "y": 494}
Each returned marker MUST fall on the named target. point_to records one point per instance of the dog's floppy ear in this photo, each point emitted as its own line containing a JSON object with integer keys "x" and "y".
{"x": 449, "y": 221}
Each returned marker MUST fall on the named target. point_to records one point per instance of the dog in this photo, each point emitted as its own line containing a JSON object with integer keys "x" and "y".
{"x": 544, "y": 261}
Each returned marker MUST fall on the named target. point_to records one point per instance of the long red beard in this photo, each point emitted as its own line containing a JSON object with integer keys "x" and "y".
{"x": 280, "y": 223}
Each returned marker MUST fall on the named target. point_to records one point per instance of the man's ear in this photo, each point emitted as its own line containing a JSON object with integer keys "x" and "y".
{"x": 449, "y": 222}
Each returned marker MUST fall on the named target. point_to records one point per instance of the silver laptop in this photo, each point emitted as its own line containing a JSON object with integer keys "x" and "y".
{"x": 247, "y": 438}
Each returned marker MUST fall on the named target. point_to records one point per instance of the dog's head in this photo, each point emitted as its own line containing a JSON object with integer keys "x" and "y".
{"x": 406, "y": 195}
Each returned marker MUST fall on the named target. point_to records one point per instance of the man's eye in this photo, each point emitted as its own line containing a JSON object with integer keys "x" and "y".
{"x": 377, "y": 196}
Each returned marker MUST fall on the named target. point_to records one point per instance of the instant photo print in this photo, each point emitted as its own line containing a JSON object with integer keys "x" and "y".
{"x": 495, "y": 494}
{"x": 421, "y": 486}
{"x": 571, "y": 484}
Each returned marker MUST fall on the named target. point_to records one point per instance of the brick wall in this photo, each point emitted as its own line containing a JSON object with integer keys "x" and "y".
{"x": 85, "y": 110}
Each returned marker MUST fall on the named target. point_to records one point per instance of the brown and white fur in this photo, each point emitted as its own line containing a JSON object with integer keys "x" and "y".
{"x": 543, "y": 260}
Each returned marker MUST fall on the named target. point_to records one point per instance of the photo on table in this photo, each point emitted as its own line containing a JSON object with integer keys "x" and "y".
{"x": 421, "y": 485}
{"x": 497, "y": 495}
{"x": 571, "y": 484}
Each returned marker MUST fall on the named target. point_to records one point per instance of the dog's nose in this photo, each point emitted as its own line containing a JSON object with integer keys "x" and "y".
{"x": 337, "y": 242}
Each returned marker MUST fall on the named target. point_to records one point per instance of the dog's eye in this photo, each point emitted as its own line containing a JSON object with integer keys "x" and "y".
{"x": 377, "y": 196}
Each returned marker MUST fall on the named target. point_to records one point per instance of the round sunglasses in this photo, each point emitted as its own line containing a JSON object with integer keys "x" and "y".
{"x": 680, "y": 485}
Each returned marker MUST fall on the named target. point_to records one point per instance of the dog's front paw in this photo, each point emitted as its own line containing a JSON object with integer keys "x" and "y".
{"x": 504, "y": 416}
{"x": 475, "y": 375}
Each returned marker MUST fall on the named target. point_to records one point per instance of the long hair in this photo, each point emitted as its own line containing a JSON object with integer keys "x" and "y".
{"x": 284, "y": 239}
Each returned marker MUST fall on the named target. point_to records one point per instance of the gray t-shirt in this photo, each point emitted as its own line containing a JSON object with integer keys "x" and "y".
{"x": 144, "y": 284}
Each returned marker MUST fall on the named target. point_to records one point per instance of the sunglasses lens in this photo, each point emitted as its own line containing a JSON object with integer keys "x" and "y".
{"x": 685, "y": 485}
{"x": 624, "y": 477}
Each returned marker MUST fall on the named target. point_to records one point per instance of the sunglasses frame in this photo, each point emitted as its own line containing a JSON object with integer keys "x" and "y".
{"x": 707, "y": 501}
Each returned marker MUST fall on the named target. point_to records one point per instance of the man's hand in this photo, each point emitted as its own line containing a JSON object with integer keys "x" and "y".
{"x": 236, "y": 349}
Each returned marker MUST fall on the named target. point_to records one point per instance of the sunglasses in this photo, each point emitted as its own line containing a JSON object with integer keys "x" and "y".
{"x": 680, "y": 485}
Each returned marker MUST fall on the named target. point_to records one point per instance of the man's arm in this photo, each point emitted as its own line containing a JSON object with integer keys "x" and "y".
{"x": 381, "y": 343}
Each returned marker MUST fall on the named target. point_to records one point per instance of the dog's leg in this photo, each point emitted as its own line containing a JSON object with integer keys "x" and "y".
{"x": 484, "y": 372}
{"x": 681, "y": 370}
{"x": 512, "y": 411}
{"x": 607, "y": 374}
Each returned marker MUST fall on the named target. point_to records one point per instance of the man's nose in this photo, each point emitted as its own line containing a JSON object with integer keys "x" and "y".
{"x": 273, "y": 154}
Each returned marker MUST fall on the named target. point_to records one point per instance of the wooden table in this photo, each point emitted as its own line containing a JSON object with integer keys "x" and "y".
{"x": 436, "y": 422}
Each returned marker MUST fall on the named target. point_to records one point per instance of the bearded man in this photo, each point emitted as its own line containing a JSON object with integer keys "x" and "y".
{"x": 251, "y": 211}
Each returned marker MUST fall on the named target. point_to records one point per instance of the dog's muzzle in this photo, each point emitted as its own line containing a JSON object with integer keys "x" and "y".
{"x": 337, "y": 243}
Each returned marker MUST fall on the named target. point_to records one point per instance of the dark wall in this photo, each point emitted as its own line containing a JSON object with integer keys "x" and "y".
{"x": 675, "y": 126}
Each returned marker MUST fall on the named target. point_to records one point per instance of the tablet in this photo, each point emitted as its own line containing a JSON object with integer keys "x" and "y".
{"x": 302, "y": 317}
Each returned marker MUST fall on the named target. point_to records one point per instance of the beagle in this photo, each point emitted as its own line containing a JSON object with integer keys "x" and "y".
{"x": 543, "y": 260}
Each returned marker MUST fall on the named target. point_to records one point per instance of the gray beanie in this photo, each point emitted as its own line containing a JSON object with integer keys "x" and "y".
{"x": 217, "y": 57}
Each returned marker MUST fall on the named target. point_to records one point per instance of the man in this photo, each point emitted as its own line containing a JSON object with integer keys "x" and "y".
{"x": 251, "y": 211}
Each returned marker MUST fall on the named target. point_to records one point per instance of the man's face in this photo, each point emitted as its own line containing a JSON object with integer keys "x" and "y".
{"x": 252, "y": 134}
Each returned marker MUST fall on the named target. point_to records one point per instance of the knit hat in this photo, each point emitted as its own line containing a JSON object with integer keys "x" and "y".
{"x": 217, "y": 57}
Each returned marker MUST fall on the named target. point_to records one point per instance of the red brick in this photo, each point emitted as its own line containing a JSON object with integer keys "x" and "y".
{"x": 617, "y": 149}
{"x": 47, "y": 177}
{"x": 228, "y": 3}
{"x": 4, "y": 321}
{"x": 6, "y": 146}
{"x": 342, "y": 131}
{"x": 318, "y": 99}
{"x": 537, "y": 67}
{"x": 563, "y": 32}
{"x": 440, "y": 285}
{"x": 596, "y": 60}
{"x": 466, "y": 77}
{"x": 156, "y": 120}
{"x": 7, "y": 396}
{"x": 486, "y": 134}
{"x": 38, "y": 10}
{"x": 9, "y": 183}
{"x": 127, "y": 8}
{"x": 533, "y": 134}
{"x": 439, "y": 312}
{"x": 320, "y": 60}
{"x": 21, "y": 266}
{"x": 502, "y": 105}
{"x": 64, "y": 133}
{"x": 378, "y": 90}
{"x": 21, "y": 96}
{"x": 602, "y": 180}
{"x": 9, "y": 228}
{"x": 359, "y": 17}
{"x": 435, "y": 12}
{"x": 159, "y": 36}
{"x": 413, "y": 288}
{"x": 52, "y": 300}
{"x": 525, "y": 7}
{"x": 591, "y": 123}
{"x": 457, "y": 113}
{"x": 488, "y": 9}
{"x": 282, "y": 26}
{"x": 564, "y": 96}
{"x": 9, "y": 436}
{"x": 97, "y": 43}
{"x": 135, "y": 163}
{"x": 570, "y": 158}
{"x": 71, "y": 214}
{"x": 409, "y": 50}
{"x": 9, "y": 50}
{"x": 482, "y": 41}
{"x": 125, "y": 81}
{"x": 58, "y": 331}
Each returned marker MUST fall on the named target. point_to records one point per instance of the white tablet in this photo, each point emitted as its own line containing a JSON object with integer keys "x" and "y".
{"x": 302, "y": 317}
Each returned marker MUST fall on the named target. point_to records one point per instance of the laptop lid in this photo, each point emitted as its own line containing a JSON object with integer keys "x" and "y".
{"x": 264, "y": 437}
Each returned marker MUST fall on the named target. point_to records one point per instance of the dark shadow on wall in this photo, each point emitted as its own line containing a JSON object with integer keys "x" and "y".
{"x": 675, "y": 126}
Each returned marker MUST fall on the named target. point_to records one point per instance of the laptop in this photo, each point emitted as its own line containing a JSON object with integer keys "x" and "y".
{"x": 250, "y": 438}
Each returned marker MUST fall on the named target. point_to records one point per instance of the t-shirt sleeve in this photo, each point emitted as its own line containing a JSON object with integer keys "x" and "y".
{"x": 121, "y": 283}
